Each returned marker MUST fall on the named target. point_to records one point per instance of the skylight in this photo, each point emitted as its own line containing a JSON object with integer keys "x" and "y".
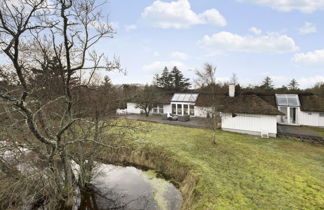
{"x": 184, "y": 97}
{"x": 287, "y": 100}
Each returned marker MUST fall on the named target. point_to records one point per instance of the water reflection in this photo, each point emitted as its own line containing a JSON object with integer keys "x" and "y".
{"x": 129, "y": 188}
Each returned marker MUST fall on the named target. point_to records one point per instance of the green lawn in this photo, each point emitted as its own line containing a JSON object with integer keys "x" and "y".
{"x": 244, "y": 172}
{"x": 319, "y": 131}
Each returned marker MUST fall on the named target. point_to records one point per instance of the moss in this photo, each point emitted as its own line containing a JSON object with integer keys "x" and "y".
{"x": 160, "y": 187}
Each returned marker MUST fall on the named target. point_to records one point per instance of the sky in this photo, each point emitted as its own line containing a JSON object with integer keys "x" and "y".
{"x": 283, "y": 39}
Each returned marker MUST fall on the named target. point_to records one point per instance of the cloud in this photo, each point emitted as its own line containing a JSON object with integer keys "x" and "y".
{"x": 130, "y": 27}
{"x": 179, "y": 55}
{"x": 305, "y": 82}
{"x": 312, "y": 58}
{"x": 255, "y": 30}
{"x": 305, "y": 6}
{"x": 158, "y": 66}
{"x": 178, "y": 15}
{"x": 156, "y": 53}
{"x": 272, "y": 43}
{"x": 307, "y": 28}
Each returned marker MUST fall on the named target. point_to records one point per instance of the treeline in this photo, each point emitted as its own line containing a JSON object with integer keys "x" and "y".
{"x": 91, "y": 98}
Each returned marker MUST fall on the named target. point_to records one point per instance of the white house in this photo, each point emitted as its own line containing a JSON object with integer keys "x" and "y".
{"x": 254, "y": 114}
{"x": 249, "y": 114}
{"x": 301, "y": 109}
{"x": 164, "y": 106}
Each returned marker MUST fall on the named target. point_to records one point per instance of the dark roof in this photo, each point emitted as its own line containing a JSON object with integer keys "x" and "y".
{"x": 163, "y": 98}
{"x": 270, "y": 99}
{"x": 308, "y": 102}
{"x": 311, "y": 103}
{"x": 207, "y": 99}
{"x": 248, "y": 104}
{"x": 242, "y": 104}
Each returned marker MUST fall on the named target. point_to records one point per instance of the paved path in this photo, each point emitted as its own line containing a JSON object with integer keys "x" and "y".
{"x": 294, "y": 130}
{"x": 193, "y": 122}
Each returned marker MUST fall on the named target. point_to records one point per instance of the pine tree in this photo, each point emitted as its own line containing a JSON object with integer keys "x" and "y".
{"x": 173, "y": 80}
{"x": 267, "y": 84}
{"x": 293, "y": 85}
{"x": 179, "y": 81}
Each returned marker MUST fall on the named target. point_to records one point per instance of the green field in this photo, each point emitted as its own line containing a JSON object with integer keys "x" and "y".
{"x": 244, "y": 172}
{"x": 319, "y": 131}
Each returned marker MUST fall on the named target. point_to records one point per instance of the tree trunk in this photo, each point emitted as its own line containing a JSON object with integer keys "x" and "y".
{"x": 147, "y": 112}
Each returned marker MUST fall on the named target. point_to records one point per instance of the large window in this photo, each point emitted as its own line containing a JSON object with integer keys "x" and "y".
{"x": 284, "y": 110}
{"x": 184, "y": 97}
{"x": 287, "y": 100}
{"x": 174, "y": 109}
{"x": 179, "y": 107}
{"x": 158, "y": 109}
{"x": 192, "y": 110}
{"x": 161, "y": 109}
{"x": 185, "y": 109}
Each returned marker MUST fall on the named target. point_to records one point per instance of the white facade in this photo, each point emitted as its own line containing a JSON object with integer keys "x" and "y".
{"x": 250, "y": 124}
{"x": 311, "y": 118}
{"x": 160, "y": 109}
{"x": 202, "y": 111}
{"x": 132, "y": 109}
{"x": 184, "y": 104}
{"x": 182, "y": 108}
{"x": 167, "y": 108}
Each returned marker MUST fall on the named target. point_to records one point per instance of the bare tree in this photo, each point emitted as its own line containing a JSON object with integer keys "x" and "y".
{"x": 234, "y": 79}
{"x": 147, "y": 98}
{"x": 207, "y": 78}
{"x": 55, "y": 39}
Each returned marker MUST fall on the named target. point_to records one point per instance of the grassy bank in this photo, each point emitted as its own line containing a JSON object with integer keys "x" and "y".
{"x": 243, "y": 172}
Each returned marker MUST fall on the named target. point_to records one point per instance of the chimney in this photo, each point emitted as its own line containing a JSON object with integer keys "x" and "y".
{"x": 231, "y": 90}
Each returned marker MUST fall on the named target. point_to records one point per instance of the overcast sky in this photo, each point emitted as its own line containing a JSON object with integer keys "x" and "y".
{"x": 251, "y": 38}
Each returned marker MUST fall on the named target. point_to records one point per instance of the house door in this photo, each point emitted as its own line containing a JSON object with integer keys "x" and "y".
{"x": 293, "y": 117}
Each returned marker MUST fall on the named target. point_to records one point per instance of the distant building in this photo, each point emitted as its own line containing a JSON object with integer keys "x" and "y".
{"x": 255, "y": 114}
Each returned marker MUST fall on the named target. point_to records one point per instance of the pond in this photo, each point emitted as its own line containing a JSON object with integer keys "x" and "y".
{"x": 129, "y": 188}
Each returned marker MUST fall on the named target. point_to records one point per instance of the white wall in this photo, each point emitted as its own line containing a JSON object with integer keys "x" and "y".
{"x": 250, "y": 124}
{"x": 167, "y": 108}
{"x": 321, "y": 121}
{"x": 202, "y": 111}
{"x": 310, "y": 119}
{"x": 131, "y": 109}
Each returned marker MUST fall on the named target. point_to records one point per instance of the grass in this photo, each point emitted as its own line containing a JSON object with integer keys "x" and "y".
{"x": 319, "y": 131}
{"x": 244, "y": 172}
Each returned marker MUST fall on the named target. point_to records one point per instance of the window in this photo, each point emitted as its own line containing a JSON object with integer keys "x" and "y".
{"x": 161, "y": 109}
{"x": 321, "y": 114}
{"x": 179, "y": 107}
{"x": 184, "y": 97}
{"x": 192, "y": 110}
{"x": 309, "y": 113}
{"x": 174, "y": 109}
{"x": 284, "y": 110}
{"x": 158, "y": 109}
{"x": 287, "y": 100}
{"x": 185, "y": 109}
